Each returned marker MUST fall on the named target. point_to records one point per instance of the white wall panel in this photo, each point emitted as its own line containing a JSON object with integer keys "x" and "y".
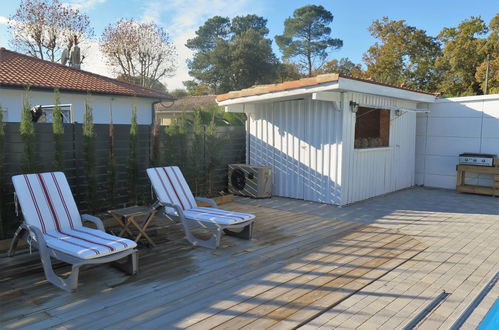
{"x": 301, "y": 140}
{"x": 455, "y": 126}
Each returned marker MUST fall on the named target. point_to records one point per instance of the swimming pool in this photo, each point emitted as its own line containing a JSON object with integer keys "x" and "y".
{"x": 491, "y": 320}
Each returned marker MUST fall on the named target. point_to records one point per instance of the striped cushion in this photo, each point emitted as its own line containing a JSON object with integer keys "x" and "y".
{"x": 86, "y": 243}
{"x": 47, "y": 203}
{"x": 170, "y": 187}
{"x": 218, "y": 216}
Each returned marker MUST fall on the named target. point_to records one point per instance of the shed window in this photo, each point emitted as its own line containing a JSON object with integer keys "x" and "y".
{"x": 372, "y": 128}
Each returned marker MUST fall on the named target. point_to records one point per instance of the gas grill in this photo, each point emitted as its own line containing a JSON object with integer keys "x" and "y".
{"x": 477, "y": 159}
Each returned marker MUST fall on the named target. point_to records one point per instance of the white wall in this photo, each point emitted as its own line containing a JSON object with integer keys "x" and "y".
{"x": 371, "y": 172}
{"x": 12, "y": 101}
{"x": 454, "y": 126}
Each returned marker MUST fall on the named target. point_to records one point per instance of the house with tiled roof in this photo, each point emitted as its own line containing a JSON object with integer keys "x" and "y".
{"x": 109, "y": 98}
{"x": 167, "y": 111}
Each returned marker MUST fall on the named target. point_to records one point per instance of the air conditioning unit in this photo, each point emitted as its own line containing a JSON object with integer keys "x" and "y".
{"x": 251, "y": 181}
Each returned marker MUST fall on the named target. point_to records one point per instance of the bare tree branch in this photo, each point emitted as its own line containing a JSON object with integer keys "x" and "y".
{"x": 43, "y": 28}
{"x": 139, "y": 52}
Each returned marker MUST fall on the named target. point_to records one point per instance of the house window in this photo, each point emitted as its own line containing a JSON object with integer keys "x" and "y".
{"x": 47, "y": 112}
{"x": 372, "y": 128}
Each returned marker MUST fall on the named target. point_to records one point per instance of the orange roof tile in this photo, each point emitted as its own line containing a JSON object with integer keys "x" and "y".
{"x": 19, "y": 70}
{"x": 305, "y": 82}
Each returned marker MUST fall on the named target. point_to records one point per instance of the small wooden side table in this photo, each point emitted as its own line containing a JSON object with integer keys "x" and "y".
{"x": 139, "y": 216}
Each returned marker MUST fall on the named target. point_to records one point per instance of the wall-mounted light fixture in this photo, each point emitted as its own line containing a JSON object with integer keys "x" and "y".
{"x": 354, "y": 106}
{"x": 398, "y": 112}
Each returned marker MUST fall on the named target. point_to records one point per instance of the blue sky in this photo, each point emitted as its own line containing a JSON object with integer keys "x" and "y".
{"x": 182, "y": 17}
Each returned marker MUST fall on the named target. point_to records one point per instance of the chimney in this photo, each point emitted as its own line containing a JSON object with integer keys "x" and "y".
{"x": 74, "y": 56}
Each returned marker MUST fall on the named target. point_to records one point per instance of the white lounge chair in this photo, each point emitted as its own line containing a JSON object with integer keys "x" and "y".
{"x": 179, "y": 204}
{"x": 54, "y": 226}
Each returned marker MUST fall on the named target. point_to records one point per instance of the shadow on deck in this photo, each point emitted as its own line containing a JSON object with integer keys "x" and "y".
{"x": 295, "y": 268}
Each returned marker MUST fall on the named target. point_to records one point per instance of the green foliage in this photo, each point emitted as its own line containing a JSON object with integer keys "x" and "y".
{"x": 214, "y": 143}
{"x": 179, "y": 93}
{"x": 465, "y": 49}
{"x": 195, "y": 89}
{"x": 208, "y": 113}
{"x": 89, "y": 155}
{"x": 111, "y": 168}
{"x": 58, "y": 131}
{"x": 196, "y": 159}
{"x": 288, "y": 71}
{"x": 133, "y": 166}
{"x": 27, "y": 132}
{"x": 307, "y": 37}
{"x": 155, "y": 156}
{"x": 242, "y": 24}
{"x": 404, "y": 56}
{"x": 342, "y": 66}
{"x": 170, "y": 142}
{"x": 492, "y": 50}
{"x": 182, "y": 142}
{"x": 233, "y": 54}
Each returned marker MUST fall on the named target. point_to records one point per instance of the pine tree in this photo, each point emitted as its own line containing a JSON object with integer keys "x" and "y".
{"x": 58, "y": 131}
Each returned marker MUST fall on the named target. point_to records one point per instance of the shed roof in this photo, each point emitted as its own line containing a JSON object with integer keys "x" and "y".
{"x": 303, "y": 83}
{"x": 19, "y": 70}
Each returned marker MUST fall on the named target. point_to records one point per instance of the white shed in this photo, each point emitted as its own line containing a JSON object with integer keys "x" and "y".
{"x": 109, "y": 97}
{"x": 332, "y": 139}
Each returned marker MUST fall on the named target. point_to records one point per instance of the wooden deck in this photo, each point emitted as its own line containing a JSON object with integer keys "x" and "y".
{"x": 297, "y": 268}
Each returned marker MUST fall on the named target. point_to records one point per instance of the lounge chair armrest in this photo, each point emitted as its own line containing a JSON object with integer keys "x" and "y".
{"x": 95, "y": 220}
{"x": 176, "y": 207}
{"x": 207, "y": 200}
{"x": 40, "y": 240}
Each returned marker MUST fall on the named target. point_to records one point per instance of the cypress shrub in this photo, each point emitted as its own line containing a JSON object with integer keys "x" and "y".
{"x": 111, "y": 166}
{"x": 58, "y": 131}
{"x": 89, "y": 155}
{"x": 27, "y": 132}
{"x": 132, "y": 157}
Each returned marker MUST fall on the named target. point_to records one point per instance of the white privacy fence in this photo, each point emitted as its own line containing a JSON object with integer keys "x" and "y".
{"x": 454, "y": 126}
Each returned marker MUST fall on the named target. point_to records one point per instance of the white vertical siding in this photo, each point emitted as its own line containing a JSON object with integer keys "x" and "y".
{"x": 371, "y": 172}
{"x": 301, "y": 140}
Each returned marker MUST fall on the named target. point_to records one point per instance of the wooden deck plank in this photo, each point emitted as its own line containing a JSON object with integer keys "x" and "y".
{"x": 307, "y": 264}
{"x": 280, "y": 296}
{"x": 280, "y": 275}
{"x": 215, "y": 282}
{"x": 301, "y": 263}
{"x": 78, "y": 312}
